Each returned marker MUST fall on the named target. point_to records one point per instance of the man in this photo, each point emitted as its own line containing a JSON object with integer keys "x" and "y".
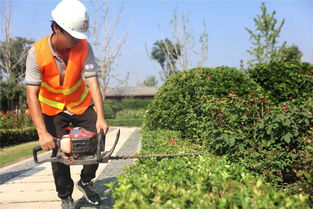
{"x": 57, "y": 69}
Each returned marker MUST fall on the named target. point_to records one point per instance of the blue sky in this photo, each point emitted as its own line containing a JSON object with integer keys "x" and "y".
{"x": 225, "y": 21}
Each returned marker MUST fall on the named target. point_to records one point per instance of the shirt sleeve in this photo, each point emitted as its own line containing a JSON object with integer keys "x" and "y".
{"x": 90, "y": 65}
{"x": 33, "y": 74}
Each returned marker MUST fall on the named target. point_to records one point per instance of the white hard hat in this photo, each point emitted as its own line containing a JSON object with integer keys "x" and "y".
{"x": 71, "y": 15}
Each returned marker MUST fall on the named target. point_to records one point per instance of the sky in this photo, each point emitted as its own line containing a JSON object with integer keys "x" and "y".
{"x": 148, "y": 21}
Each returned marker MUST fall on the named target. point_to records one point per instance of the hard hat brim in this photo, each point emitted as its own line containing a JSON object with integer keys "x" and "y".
{"x": 78, "y": 35}
{"x": 75, "y": 34}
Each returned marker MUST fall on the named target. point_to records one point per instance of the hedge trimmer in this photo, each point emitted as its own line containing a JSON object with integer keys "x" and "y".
{"x": 81, "y": 147}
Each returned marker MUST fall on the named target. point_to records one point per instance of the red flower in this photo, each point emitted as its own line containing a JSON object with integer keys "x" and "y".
{"x": 173, "y": 141}
{"x": 285, "y": 107}
{"x": 68, "y": 128}
{"x": 263, "y": 100}
{"x": 301, "y": 71}
{"x": 209, "y": 77}
{"x": 310, "y": 73}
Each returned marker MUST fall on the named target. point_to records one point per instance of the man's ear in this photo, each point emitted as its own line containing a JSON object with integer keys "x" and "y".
{"x": 56, "y": 28}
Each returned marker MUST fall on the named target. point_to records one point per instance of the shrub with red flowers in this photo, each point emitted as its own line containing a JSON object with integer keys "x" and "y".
{"x": 284, "y": 80}
{"x": 173, "y": 141}
{"x": 16, "y": 127}
{"x": 18, "y": 118}
{"x": 176, "y": 104}
{"x": 231, "y": 115}
{"x": 285, "y": 107}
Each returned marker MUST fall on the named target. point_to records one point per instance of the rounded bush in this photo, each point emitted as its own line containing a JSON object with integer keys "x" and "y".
{"x": 284, "y": 80}
{"x": 182, "y": 102}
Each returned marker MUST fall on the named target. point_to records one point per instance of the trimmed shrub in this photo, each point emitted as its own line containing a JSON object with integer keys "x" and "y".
{"x": 182, "y": 102}
{"x": 230, "y": 116}
{"x": 277, "y": 140}
{"x": 284, "y": 81}
{"x": 17, "y": 136}
{"x": 304, "y": 170}
{"x": 15, "y": 119}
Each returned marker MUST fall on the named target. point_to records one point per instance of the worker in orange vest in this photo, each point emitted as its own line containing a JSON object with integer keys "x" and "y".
{"x": 62, "y": 88}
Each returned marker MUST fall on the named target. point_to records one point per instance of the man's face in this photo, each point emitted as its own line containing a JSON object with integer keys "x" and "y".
{"x": 66, "y": 39}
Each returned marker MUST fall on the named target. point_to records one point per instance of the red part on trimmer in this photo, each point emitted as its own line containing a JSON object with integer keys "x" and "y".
{"x": 82, "y": 133}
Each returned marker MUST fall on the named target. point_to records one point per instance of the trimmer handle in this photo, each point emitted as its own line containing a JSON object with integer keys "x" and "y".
{"x": 100, "y": 143}
{"x": 38, "y": 148}
{"x": 35, "y": 150}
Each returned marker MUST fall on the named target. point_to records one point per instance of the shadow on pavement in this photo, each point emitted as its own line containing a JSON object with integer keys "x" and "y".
{"x": 103, "y": 191}
{"x": 6, "y": 177}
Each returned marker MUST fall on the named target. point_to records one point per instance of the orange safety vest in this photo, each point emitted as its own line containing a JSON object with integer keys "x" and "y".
{"x": 73, "y": 95}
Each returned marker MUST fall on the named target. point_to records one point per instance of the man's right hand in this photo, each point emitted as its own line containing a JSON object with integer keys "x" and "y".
{"x": 46, "y": 141}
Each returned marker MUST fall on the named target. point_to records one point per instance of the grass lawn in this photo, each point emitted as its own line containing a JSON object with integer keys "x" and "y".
{"x": 9, "y": 155}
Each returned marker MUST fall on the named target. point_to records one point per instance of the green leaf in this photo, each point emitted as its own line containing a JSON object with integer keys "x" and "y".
{"x": 287, "y": 122}
{"x": 269, "y": 129}
{"x": 287, "y": 137}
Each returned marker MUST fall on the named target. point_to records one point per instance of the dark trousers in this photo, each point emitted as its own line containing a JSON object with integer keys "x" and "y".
{"x": 56, "y": 126}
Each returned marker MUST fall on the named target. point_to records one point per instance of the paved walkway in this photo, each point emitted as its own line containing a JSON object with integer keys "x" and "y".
{"x": 25, "y": 185}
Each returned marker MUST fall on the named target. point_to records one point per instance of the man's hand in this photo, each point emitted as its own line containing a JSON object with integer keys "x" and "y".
{"x": 102, "y": 124}
{"x": 46, "y": 141}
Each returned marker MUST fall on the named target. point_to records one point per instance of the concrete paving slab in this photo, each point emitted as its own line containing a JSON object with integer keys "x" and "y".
{"x": 42, "y": 186}
{"x": 35, "y": 188}
{"x": 32, "y": 205}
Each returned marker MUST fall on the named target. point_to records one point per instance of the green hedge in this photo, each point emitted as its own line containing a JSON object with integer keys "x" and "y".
{"x": 134, "y": 104}
{"x": 194, "y": 182}
{"x": 183, "y": 102}
{"x": 226, "y": 112}
{"x": 125, "y": 122}
{"x": 284, "y": 80}
{"x": 112, "y": 107}
{"x": 17, "y": 136}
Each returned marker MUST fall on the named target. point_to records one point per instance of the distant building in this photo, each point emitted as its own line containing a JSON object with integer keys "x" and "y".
{"x": 133, "y": 92}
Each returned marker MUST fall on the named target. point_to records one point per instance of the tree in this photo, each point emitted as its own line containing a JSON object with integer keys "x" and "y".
{"x": 11, "y": 95}
{"x": 264, "y": 39}
{"x": 150, "y": 81}
{"x": 183, "y": 36}
{"x": 166, "y": 54}
{"x": 180, "y": 50}
{"x": 13, "y": 52}
{"x": 106, "y": 43}
{"x": 291, "y": 53}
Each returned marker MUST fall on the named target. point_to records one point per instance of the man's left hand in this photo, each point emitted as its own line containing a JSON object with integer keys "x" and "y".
{"x": 102, "y": 124}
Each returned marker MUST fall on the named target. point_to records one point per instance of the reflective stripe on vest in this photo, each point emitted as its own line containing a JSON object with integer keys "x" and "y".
{"x": 82, "y": 98}
{"x": 62, "y": 91}
{"x": 52, "y": 103}
{"x": 59, "y": 105}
